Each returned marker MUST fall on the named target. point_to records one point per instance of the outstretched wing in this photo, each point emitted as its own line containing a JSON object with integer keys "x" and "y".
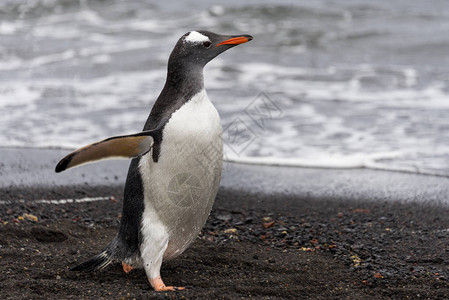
{"x": 125, "y": 146}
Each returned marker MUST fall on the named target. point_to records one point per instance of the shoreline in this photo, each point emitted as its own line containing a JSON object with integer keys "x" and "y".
{"x": 26, "y": 172}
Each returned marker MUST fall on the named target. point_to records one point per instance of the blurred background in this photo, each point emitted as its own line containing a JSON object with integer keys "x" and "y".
{"x": 354, "y": 81}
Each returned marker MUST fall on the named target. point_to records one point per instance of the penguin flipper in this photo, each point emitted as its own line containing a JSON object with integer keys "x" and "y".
{"x": 124, "y": 146}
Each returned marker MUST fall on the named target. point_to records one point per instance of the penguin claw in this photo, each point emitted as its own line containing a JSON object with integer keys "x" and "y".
{"x": 127, "y": 268}
{"x": 169, "y": 288}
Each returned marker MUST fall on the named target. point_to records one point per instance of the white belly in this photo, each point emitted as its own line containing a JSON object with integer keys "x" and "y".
{"x": 180, "y": 188}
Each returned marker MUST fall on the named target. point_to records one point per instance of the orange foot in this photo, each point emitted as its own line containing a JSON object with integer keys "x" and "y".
{"x": 159, "y": 286}
{"x": 126, "y": 268}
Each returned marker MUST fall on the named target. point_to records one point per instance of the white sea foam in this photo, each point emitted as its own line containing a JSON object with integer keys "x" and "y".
{"x": 357, "y": 161}
{"x": 323, "y": 161}
{"x": 101, "y": 59}
{"x": 16, "y": 94}
{"x": 70, "y": 54}
{"x": 9, "y": 28}
{"x": 90, "y": 17}
{"x": 57, "y": 32}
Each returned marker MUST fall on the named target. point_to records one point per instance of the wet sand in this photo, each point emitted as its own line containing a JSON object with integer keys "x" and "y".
{"x": 262, "y": 244}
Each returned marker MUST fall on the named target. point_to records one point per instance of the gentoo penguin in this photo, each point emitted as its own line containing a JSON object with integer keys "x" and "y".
{"x": 174, "y": 175}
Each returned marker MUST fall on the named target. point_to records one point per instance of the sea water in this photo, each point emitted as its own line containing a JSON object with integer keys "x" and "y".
{"x": 324, "y": 83}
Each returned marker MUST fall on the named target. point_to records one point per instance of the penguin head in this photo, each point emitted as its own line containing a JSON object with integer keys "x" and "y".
{"x": 200, "y": 47}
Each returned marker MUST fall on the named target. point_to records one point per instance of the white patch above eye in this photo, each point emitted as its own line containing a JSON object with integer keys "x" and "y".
{"x": 196, "y": 37}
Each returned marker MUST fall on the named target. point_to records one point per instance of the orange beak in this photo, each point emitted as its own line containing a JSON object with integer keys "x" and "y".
{"x": 236, "y": 40}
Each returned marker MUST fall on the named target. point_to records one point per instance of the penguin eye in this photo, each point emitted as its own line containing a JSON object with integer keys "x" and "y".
{"x": 207, "y": 44}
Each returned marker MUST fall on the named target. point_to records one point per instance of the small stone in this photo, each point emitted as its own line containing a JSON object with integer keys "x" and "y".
{"x": 231, "y": 230}
{"x": 268, "y": 225}
{"x": 30, "y": 217}
{"x": 378, "y": 276}
{"x": 58, "y": 277}
{"x": 224, "y": 217}
{"x": 249, "y": 220}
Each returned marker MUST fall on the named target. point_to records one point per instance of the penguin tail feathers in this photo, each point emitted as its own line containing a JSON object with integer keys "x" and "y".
{"x": 115, "y": 250}
{"x": 96, "y": 263}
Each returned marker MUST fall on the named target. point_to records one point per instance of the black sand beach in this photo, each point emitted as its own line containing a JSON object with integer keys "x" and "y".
{"x": 270, "y": 243}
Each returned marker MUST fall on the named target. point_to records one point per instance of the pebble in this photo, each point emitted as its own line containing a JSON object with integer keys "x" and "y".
{"x": 268, "y": 225}
{"x": 30, "y": 217}
{"x": 227, "y": 217}
{"x": 249, "y": 220}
